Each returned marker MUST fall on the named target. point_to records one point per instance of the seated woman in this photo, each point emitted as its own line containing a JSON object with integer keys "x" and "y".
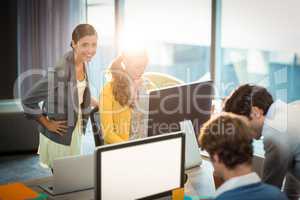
{"x": 123, "y": 100}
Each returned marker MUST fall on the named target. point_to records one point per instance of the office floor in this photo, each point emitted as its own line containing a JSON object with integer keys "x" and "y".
{"x": 22, "y": 167}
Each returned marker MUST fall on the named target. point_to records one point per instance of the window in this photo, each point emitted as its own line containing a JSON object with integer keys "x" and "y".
{"x": 175, "y": 32}
{"x": 258, "y": 46}
{"x": 101, "y": 14}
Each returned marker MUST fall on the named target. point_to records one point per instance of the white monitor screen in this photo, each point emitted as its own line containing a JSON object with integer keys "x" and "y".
{"x": 140, "y": 168}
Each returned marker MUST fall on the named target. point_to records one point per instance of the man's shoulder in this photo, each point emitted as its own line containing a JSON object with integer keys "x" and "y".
{"x": 257, "y": 191}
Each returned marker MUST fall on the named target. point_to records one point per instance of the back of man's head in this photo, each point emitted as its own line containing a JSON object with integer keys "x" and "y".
{"x": 244, "y": 97}
{"x": 229, "y": 137}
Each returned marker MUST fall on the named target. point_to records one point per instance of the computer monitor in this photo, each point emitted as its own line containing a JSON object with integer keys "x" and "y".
{"x": 169, "y": 106}
{"x": 140, "y": 169}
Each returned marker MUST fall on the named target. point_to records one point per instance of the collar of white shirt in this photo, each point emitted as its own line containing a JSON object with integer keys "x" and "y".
{"x": 237, "y": 182}
{"x": 276, "y": 118}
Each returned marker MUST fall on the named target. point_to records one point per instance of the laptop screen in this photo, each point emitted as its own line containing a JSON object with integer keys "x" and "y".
{"x": 141, "y": 168}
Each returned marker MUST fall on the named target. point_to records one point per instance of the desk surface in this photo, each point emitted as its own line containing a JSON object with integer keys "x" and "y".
{"x": 200, "y": 183}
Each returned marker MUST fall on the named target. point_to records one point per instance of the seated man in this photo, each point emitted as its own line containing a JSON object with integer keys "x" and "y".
{"x": 227, "y": 140}
{"x": 278, "y": 123}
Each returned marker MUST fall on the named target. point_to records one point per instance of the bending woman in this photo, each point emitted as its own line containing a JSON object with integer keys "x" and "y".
{"x": 66, "y": 99}
{"x": 123, "y": 100}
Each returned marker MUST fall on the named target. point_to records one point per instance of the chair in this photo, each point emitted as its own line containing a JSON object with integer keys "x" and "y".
{"x": 98, "y": 137}
{"x": 16, "y": 129}
{"x": 161, "y": 80}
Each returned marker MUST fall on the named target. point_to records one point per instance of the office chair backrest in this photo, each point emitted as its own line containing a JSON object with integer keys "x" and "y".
{"x": 161, "y": 80}
{"x": 98, "y": 137}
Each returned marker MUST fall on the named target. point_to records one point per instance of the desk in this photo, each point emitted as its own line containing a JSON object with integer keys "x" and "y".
{"x": 200, "y": 182}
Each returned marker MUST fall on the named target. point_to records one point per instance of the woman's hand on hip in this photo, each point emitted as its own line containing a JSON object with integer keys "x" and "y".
{"x": 59, "y": 127}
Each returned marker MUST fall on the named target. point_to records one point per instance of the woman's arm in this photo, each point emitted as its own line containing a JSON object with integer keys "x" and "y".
{"x": 30, "y": 102}
{"x": 36, "y": 94}
{"x": 106, "y": 117}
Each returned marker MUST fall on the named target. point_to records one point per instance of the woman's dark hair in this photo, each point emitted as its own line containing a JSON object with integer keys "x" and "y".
{"x": 81, "y": 31}
{"x": 244, "y": 97}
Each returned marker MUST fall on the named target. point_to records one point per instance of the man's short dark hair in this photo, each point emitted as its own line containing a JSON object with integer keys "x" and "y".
{"x": 244, "y": 97}
{"x": 229, "y": 137}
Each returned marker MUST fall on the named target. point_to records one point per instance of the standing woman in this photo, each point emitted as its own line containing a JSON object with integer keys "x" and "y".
{"x": 123, "y": 100}
{"x": 66, "y": 99}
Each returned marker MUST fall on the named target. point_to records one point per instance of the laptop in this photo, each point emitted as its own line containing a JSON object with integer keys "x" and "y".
{"x": 70, "y": 174}
{"x": 192, "y": 151}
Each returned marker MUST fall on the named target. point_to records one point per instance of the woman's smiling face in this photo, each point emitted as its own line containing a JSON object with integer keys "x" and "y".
{"x": 86, "y": 47}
